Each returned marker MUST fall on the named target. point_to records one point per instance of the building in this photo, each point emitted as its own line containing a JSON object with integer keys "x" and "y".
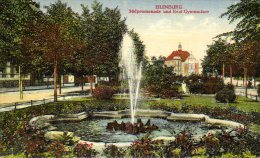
{"x": 183, "y": 62}
{"x": 9, "y": 77}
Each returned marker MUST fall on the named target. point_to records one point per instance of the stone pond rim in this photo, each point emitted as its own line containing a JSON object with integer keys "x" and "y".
{"x": 44, "y": 122}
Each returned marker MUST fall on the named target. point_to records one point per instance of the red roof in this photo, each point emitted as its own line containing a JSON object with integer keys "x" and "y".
{"x": 183, "y": 54}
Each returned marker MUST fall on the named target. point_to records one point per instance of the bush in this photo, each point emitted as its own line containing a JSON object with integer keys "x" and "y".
{"x": 113, "y": 151}
{"x": 196, "y": 88}
{"x": 204, "y": 84}
{"x": 230, "y": 87}
{"x": 103, "y": 92}
{"x": 113, "y": 84}
{"x": 85, "y": 150}
{"x": 212, "y": 85}
{"x": 147, "y": 148}
{"x": 226, "y": 96}
{"x": 57, "y": 149}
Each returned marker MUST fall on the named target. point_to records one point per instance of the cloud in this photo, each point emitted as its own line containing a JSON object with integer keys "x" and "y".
{"x": 189, "y": 18}
{"x": 162, "y": 24}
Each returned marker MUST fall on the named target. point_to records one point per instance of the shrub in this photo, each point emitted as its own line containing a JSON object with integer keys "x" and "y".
{"x": 34, "y": 147}
{"x": 147, "y": 148}
{"x": 196, "y": 88}
{"x": 113, "y": 151}
{"x": 84, "y": 150}
{"x": 57, "y": 149}
{"x": 103, "y": 92}
{"x": 204, "y": 84}
{"x": 226, "y": 96}
{"x": 230, "y": 87}
{"x": 113, "y": 84}
{"x": 212, "y": 85}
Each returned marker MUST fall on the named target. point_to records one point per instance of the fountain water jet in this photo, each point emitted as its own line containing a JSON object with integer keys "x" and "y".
{"x": 132, "y": 72}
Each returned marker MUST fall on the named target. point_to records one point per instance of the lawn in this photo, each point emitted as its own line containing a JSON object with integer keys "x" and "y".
{"x": 242, "y": 103}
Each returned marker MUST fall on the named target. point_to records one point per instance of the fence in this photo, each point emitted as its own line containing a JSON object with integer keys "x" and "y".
{"x": 20, "y": 105}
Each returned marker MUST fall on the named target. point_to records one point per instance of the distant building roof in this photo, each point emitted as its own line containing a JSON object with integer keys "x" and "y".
{"x": 183, "y": 55}
{"x": 179, "y": 53}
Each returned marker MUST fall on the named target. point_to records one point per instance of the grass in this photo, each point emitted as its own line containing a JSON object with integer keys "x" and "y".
{"x": 242, "y": 103}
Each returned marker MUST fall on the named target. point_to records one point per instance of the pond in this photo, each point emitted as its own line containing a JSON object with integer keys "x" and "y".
{"x": 95, "y": 129}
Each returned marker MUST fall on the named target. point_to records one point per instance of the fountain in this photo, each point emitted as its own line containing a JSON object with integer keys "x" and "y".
{"x": 131, "y": 71}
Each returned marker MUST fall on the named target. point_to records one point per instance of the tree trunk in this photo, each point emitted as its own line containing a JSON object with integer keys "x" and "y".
{"x": 60, "y": 84}
{"x": 82, "y": 84}
{"x": 20, "y": 83}
{"x": 223, "y": 72}
{"x": 48, "y": 82}
{"x": 231, "y": 73}
{"x": 91, "y": 84}
{"x": 55, "y": 74}
{"x": 245, "y": 79}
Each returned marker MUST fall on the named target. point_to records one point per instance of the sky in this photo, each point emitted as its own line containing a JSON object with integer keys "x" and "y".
{"x": 161, "y": 33}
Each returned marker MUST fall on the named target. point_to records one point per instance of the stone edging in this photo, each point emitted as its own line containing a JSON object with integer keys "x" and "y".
{"x": 44, "y": 121}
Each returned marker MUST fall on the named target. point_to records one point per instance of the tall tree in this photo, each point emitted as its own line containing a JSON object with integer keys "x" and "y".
{"x": 104, "y": 29}
{"x": 215, "y": 59}
{"x": 54, "y": 39}
{"x": 15, "y": 17}
{"x": 159, "y": 79}
{"x": 247, "y": 55}
{"x": 246, "y": 12}
{"x": 139, "y": 47}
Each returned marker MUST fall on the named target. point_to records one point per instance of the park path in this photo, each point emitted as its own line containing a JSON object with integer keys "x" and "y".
{"x": 13, "y": 97}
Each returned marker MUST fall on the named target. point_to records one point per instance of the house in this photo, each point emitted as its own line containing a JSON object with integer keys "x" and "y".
{"x": 183, "y": 62}
{"x": 9, "y": 77}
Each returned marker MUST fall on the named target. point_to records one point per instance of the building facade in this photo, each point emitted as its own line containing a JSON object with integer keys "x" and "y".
{"x": 183, "y": 62}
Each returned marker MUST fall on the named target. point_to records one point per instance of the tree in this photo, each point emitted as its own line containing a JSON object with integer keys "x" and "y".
{"x": 247, "y": 55}
{"x": 53, "y": 38}
{"x": 139, "y": 47}
{"x": 216, "y": 58}
{"x": 14, "y": 20}
{"x": 104, "y": 31}
{"x": 247, "y": 13}
{"x": 159, "y": 79}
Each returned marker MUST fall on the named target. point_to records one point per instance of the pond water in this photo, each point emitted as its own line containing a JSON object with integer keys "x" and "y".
{"x": 95, "y": 129}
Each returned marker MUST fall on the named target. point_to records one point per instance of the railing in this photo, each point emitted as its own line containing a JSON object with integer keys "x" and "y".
{"x": 20, "y": 105}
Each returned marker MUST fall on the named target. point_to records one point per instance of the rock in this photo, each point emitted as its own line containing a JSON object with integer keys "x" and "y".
{"x": 166, "y": 139}
{"x": 225, "y": 123}
{"x": 187, "y": 117}
{"x": 52, "y": 128}
{"x": 40, "y": 122}
{"x": 120, "y": 145}
{"x": 160, "y": 133}
{"x": 58, "y": 135}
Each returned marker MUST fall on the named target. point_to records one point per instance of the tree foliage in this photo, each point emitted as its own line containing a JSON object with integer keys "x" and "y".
{"x": 139, "y": 47}
{"x": 103, "y": 33}
{"x": 246, "y": 12}
{"x": 16, "y": 16}
{"x": 216, "y": 56}
{"x": 160, "y": 80}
